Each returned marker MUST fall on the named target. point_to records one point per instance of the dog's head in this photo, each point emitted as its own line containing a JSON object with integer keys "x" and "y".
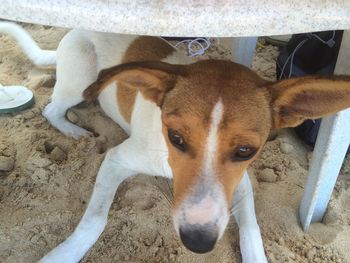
{"x": 216, "y": 117}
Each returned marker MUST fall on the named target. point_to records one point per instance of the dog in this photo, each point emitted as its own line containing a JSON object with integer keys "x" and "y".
{"x": 200, "y": 123}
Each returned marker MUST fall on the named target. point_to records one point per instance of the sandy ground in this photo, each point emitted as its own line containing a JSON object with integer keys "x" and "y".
{"x": 48, "y": 179}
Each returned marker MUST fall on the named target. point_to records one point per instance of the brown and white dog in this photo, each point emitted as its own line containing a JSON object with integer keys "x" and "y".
{"x": 201, "y": 124}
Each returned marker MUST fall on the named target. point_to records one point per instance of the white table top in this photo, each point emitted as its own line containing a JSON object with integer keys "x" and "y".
{"x": 221, "y": 18}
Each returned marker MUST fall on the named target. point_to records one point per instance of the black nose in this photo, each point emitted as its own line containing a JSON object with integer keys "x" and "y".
{"x": 198, "y": 240}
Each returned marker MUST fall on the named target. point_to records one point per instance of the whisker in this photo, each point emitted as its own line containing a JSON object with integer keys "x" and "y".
{"x": 168, "y": 194}
{"x": 170, "y": 189}
{"x": 238, "y": 204}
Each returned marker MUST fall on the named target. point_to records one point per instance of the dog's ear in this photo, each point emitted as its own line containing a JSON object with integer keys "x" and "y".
{"x": 153, "y": 79}
{"x": 297, "y": 99}
{"x": 153, "y": 84}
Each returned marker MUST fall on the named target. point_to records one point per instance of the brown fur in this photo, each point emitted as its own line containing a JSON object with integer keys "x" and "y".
{"x": 109, "y": 75}
{"x": 142, "y": 49}
{"x": 126, "y": 99}
{"x": 187, "y": 109}
{"x": 252, "y": 107}
{"x": 303, "y": 98}
{"x": 186, "y": 166}
{"x": 147, "y": 48}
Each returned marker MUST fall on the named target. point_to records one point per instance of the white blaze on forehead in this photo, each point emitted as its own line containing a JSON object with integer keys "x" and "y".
{"x": 210, "y": 150}
{"x": 206, "y": 203}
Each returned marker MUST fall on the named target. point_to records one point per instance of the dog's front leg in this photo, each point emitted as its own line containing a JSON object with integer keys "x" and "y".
{"x": 252, "y": 248}
{"x": 113, "y": 171}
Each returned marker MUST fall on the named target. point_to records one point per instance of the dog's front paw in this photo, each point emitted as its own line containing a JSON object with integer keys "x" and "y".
{"x": 59, "y": 255}
{"x": 254, "y": 259}
{"x": 252, "y": 248}
{"x": 52, "y": 258}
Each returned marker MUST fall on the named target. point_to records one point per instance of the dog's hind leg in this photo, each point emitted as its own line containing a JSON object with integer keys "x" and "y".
{"x": 76, "y": 70}
{"x": 252, "y": 248}
{"x": 115, "y": 168}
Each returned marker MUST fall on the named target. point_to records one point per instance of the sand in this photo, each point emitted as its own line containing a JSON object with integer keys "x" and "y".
{"x": 46, "y": 180}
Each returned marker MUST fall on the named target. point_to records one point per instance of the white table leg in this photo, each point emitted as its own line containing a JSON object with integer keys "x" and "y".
{"x": 332, "y": 142}
{"x": 331, "y": 145}
{"x": 243, "y": 49}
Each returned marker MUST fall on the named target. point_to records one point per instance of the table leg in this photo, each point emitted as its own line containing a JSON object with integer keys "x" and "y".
{"x": 331, "y": 145}
{"x": 332, "y": 142}
{"x": 243, "y": 49}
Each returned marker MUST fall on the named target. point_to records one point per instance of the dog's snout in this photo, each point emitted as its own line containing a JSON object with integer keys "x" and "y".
{"x": 199, "y": 239}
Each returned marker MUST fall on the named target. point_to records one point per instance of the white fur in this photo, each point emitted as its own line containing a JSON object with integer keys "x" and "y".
{"x": 219, "y": 208}
{"x": 114, "y": 169}
{"x": 212, "y": 206}
{"x": 80, "y": 56}
{"x": 38, "y": 56}
{"x": 252, "y": 248}
{"x": 107, "y": 101}
{"x": 212, "y": 140}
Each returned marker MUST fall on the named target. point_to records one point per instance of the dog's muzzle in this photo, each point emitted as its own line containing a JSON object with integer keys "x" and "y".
{"x": 202, "y": 217}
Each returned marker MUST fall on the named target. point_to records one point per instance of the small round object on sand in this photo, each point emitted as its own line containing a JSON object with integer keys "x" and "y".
{"x": 267, "y": 175}
{"x": 58, "y": 154}
{"x": 15, "y": 98}
{"x": 6, "y": 163}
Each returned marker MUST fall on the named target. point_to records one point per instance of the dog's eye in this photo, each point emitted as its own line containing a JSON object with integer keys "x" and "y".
{"x": 176, "y": 139}
{"x": 243, "y": 153}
